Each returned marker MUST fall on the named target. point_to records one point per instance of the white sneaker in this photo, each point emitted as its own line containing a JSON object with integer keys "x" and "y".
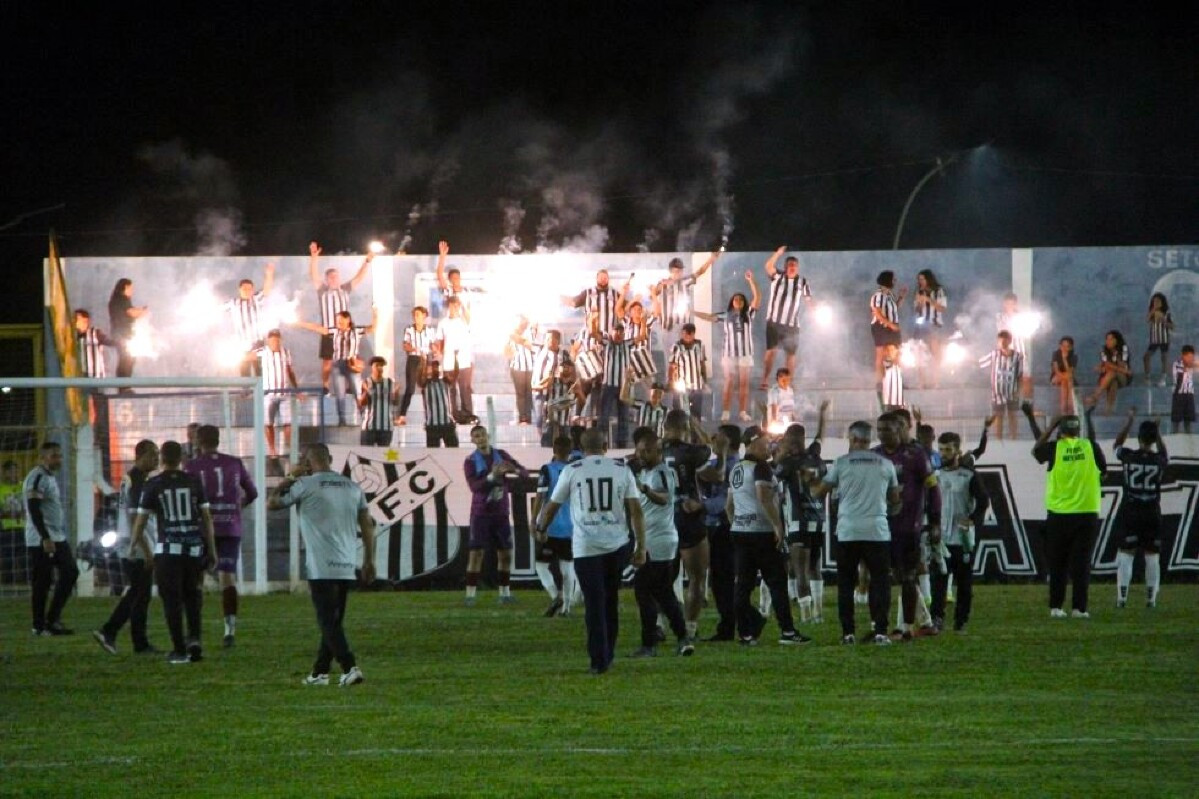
{"x": 351, "y": 677}
{"x": 745, "y": 417}
{"x": 1079, "y": 614}
{"x": 724, "y": 416}
{"x": 316, "y": 679}
{"x": 1057, "y": 613}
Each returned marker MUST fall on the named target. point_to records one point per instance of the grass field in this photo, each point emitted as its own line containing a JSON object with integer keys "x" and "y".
{"x": 497, "y": 701}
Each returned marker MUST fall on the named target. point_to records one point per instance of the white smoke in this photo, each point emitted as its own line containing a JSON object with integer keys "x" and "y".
{"x": 219, "y": 232}
{"x": 514, "y": 215}
{"x": 205, "y": 182}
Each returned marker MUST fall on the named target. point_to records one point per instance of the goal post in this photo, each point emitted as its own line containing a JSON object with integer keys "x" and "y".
{"x": 98, "y": 449}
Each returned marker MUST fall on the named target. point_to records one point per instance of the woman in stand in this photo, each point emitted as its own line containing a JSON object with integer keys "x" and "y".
{"x": 121, "y": 315}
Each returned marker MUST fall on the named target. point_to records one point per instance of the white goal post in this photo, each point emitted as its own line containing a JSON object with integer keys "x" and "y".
{"x": 118, "y": 412}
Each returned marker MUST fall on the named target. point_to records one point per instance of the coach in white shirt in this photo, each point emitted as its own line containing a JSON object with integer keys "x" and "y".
{"x": 332, "y": 509}
{"x": 604, "y": 498}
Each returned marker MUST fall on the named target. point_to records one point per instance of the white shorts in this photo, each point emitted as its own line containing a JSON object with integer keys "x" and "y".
{"x": 277, "y": 408}
{"x": 740, "y": 360}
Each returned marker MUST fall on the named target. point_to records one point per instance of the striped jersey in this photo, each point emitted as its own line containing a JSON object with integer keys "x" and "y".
{"x": 228, "y": 487}
{"x": 787, "y": 296}
{"x": 892, "y": 387}
{"x": 421, "y": 340}
{"x": 677, "y": 304}
{"x": 651, "y": 416}
{"x": 634, "y": 330}
{"x": 739, "y": 333}
{"x": 332, "y": 302}
{"x": 377, "y": 413}
{"x": 1115, "y": 356}
{"x": 91, "y": 353}
{"x": 559, "y": 400}
{"x": 616, "y": 361}
{"x": 1184, "y": 378}
{"x": 176, "y": 499}
{"x": 275, "y": 367}
{"x": 346, "y": 341}
{"x": 928, "y": 314}
{"x": 601, "y": 302}
{"x": 247, "y": 323}
{"x": 690, "y": 363}
{"x": 545, "y": 365}
{"x": 1159, "y": 329}
{"x": 522, "y": 354}
{"x": 1006, "y": 372}
{"x": 884, "y": 301}
{"x": 437, "y": 403}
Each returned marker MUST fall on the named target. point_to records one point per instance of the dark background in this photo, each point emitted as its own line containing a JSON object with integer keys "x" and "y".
{"x": 253, "y": 127}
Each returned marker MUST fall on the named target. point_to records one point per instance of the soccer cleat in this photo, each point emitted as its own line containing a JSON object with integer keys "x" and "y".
{"x": 469, "y": 601}
{"x": 793, "y": 637}
{"x": 1079, "y": 614}
{"x": 195, "y": 652}
{"x": 901, "y": 636}
{"x": 39, "y": 631}
{"x": 351, "y": 677}
{"x": 507, "y": 599}
{"x": 554, "y": 608}
{"x": 927, "y": 631}
{"x": 686, "y": 647}
{"x": 644, "y": 652}
{"x": 565, "y": 611}
{"x": 748, "y": 640}
{"x": 58, "y": 628}
{"x": 880, "y": 640}
{"x": 1121, "y": 603}
{"x": 849, "y": 638}
{"x": 718, "y": 637}
{"x": 1057, "y": 613}
{"x": 178, "y": 658}
{"x": 1151, "y": 603}
{"x": 227, "y": 642}
{"x": 959, "y": 627}
{"x": 106, "y": 643}
{"x": 148, "y": 649}
{"x": 316, "y": 679}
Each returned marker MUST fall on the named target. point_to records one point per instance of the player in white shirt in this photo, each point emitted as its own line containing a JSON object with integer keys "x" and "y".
{"x": 603, "y": 498}
{"x": 332, "y": 510}
{"x": 658, "y": 483}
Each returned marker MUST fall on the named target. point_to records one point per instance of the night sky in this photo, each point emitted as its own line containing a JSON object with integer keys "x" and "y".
{"x": 253, "y": 129}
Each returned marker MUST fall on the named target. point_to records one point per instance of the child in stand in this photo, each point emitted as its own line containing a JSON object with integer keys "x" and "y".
{"x": 1182, "y": 407}
{"x": 1065, "y": 361}
{"x": 1160, "y": 326}
{"x": 780, "y": 403}
{"x": 890, "y": 390}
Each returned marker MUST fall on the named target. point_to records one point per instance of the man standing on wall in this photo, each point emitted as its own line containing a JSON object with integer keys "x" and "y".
{"x": 788, "y": 294}
{"x": 334, "y": 298}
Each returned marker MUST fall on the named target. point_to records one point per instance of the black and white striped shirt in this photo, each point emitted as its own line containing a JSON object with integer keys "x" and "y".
{"x": 1118, "y": 355}
{"x": 616, "y": 361}
{"x": 377, "y": 412}
{"x": 928, "y": 314}
{"x": 677, "y": 302}
{"x": 1159, "y": 330}
{"x": 689, "y": 363}
{"x": 558, "y": 410}
{"x": 602, "y": 302}
{"x": 892, "y": 384}
{"x": 345, "y": 342}
{"x": 1006, "y": 371}
{"x": 437, "y": 403}
{"x": 884, "y": 301}
{"x": 739, "y": 333}
{"x": 247, "y": 319}
{"x": 787, "y": 296}
{"x": 522, "y": 355}
{"x": 1184, "y": 378}
{"x": 91, "y": 352}
{"x": 420, "y": 340}
{"x": 332, "y": 302}
{"x": 545, "y": 365}
{"x": 275, "y": 368}
{"x": 653, "y": 416}
{"x": 634, "y": 330}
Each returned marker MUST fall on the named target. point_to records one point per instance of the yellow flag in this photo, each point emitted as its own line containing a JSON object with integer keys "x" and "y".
{"x": 63, "y": 327}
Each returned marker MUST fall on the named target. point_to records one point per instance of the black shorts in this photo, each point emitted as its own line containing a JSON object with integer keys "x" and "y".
{"x": 809, "y": 536}
{"x": 1158, "y": 347}
{"x": 1139, "y": 526}
{"x": 374, "y": 438}
{"x": 882, "y": 336}
{"x": 553, "y": 549}
{"x": 1182, "y": 408}
{"x": 783, "y": 336}
{"x": 326, "y": 353}
{"x": 692, "y": 531}
{"x": 905, "y": 552}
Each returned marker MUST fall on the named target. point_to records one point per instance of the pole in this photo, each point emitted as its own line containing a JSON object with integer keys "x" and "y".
{"x": 937, "y": 169}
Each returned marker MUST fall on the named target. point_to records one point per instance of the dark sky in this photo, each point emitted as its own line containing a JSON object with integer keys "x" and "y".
{"x": 251, "y": 130}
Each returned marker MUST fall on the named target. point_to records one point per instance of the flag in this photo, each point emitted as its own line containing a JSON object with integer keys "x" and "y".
{"x": 62, "y": 328}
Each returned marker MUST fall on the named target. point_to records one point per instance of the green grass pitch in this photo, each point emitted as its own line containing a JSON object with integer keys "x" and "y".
{"x": 497, "y": 701}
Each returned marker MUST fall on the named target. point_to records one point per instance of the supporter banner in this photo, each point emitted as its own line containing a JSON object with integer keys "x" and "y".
{"x": 421, "y": 503}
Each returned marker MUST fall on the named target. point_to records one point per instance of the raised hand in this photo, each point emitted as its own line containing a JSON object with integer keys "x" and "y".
{"x": 314, "y": 249}
{"x": 443, "y": 247}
